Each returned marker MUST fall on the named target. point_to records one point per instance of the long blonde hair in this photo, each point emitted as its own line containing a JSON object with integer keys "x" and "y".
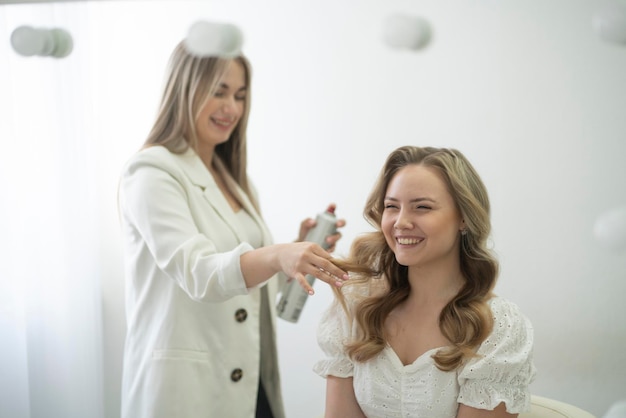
{"x": 466, "y": 320}
{"x": 190, "y": 82}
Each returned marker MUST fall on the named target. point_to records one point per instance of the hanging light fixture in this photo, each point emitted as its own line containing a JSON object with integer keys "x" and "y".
{"x": 29, "y": 41}
{"x": 402, "y": 31}
{"x": 609, "y": 23}
{"x": 206, "y": 39}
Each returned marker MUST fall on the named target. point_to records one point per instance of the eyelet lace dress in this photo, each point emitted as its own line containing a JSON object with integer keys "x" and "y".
{"x": 384, "y": 387}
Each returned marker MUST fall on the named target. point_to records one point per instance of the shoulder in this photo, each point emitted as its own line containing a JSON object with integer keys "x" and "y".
{"x": 507, "y": 315}
{"x": 155, "y": 156}
{"x": 338, "y": 316}
{"x": 503, "y": 367}
{"x": 152, "y": 169}
{"x": 512, "y": 335}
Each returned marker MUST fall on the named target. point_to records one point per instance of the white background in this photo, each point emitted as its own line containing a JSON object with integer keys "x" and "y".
{"x": 524, "y": 88}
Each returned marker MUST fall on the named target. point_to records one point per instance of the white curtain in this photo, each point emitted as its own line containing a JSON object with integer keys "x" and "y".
{"x": 50, "y": 302}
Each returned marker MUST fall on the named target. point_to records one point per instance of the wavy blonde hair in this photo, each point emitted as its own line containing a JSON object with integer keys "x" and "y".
{"x": 466, "y": 320}
{"x": 190, "y": 82}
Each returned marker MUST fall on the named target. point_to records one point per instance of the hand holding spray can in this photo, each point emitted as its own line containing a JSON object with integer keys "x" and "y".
{"x": 293, "y": 295}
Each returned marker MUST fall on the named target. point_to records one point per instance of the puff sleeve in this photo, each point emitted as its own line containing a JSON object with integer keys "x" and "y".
{"x": 332, "y": 333}
{"x": 504, "y": 368}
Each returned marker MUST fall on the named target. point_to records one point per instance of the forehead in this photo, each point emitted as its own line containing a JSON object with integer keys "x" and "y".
{"x": 235, "y": 75}
{"x": 415, "y": 181}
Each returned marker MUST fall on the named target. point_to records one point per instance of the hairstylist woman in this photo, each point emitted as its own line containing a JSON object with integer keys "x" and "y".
{"x": 201, "y": 268}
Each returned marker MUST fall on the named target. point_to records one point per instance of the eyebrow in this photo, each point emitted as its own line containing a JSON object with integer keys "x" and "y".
{"x": 416, "y": 200}
{"x": 226, "y": 86}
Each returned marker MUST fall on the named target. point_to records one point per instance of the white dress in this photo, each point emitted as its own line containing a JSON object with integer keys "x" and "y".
{"x": 384, "y": 387}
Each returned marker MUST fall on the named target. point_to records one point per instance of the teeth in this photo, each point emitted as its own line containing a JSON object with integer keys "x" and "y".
{"x": 408, "y": 241}
{"x": 222, "y": 122}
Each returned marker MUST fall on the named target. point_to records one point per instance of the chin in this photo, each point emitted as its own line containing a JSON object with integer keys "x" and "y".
{"x": 404, "y": 262}
{"x": 221, "y": 141}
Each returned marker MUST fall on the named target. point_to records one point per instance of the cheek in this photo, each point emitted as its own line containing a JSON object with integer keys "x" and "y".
{"x": 203, "y": 125}
{"x": 448, "y": 229}
{"x": 200, "y": 126}
{"x": 241, "y": 108}
{"x": 386, "y": 225}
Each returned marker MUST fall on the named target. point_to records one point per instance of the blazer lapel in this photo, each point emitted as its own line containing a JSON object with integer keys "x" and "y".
{"x": 200, "y": 176}
{"x": 249, "y": 207}
{"x": 246, "y": 203}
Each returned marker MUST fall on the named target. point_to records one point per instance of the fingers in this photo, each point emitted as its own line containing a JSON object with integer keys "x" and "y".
{"x": 307, "y": 224}
{"x": 323, "y": 275}
{"x": 326, "y": 271}
{"x": 316, "y": 263}
{"x": 305, "y": 283}
{"x": 305, "y": 227}
{"x": 331, "y": 241}
{"x": 304, "y": 261}
{"x": 333, "y": 279}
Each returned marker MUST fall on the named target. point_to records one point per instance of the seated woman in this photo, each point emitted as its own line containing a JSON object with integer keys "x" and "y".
{"x": 418, "y": 331}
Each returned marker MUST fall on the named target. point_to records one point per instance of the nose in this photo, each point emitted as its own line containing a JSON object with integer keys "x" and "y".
{"x": 403, "y": 221}
{"x": 230, "y": 106}
{"x": 227, "y": 106}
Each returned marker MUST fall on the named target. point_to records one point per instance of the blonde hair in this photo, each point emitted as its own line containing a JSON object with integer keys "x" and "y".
{"x": 466, "y": 320}
{"x": 190, "y": 82}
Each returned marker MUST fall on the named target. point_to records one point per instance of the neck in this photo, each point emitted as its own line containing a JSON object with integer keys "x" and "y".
{"x": 435, "y": 285}
{"x": 206, "y": 155}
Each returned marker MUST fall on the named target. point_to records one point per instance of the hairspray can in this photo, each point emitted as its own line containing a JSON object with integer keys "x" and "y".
{"x": 293, "y": 296}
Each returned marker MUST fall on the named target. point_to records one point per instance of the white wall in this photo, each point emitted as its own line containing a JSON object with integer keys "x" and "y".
{"x": 523, "y": 87}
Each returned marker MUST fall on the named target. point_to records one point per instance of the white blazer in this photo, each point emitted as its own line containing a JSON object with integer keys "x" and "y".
{"x": 193, "y": 343}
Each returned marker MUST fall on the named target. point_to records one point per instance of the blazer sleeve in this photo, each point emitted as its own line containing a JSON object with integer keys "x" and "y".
{"x": 154, "y": 210}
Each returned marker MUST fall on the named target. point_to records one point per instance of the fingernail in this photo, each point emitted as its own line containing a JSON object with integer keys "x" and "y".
{"x": 311, "y": 292}
{"x": 338, "y": 283}
{"x": 346, "y": 276}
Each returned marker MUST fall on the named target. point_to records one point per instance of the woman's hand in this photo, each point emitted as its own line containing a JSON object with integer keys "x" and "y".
{"x": 299, "y": 259}
{"x": 296, "y": 260}
{"x": 309, "y": 223}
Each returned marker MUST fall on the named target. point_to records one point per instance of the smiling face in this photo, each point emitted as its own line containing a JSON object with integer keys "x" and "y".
{"x": 220, "y": 114}
{"x": 420, "y": 220}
